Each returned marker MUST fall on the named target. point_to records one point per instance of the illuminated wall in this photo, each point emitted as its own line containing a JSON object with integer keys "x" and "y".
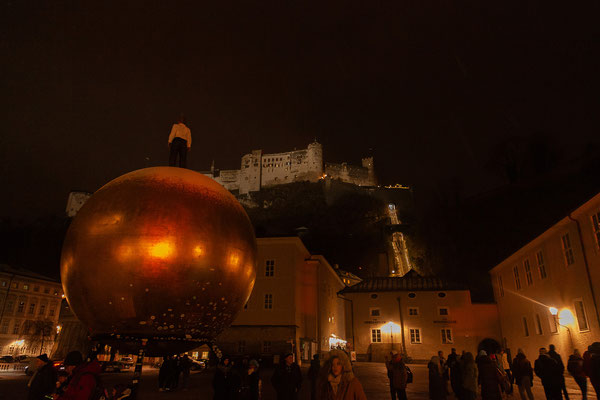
{"x": 552, "y": 271}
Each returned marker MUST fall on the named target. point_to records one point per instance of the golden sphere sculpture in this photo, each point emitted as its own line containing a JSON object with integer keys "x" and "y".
{"x": 164, "y": 254}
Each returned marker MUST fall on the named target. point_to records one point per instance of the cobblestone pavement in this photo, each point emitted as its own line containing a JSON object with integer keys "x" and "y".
{"x": 373, "y": 377}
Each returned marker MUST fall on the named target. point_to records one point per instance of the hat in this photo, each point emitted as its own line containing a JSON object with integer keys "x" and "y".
{"x": 254, "y": 363}
{"x": 43, "y": 357}
{"x": 394, "y": 352}
{"x": 482, "y": 353}
{"x": 74, "y": 358}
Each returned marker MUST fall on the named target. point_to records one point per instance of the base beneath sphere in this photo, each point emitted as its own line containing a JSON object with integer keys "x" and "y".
{"x": 154, "y": 346}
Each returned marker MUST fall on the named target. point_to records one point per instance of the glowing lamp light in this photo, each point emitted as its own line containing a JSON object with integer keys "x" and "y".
{"x": 392, "y": 327}
{"x": 553, "y": 310}
{"x": 565, "y": 317}
{"x": 161, "y": 250}
{"x": 58, "y": 329}
{"x": 198, "y": 251}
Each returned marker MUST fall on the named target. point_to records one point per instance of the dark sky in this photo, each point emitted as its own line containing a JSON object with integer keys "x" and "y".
{"x": 90, "y": 88}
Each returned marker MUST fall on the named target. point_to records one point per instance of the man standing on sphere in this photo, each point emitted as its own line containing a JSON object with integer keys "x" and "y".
{"x": 180, "y": 142}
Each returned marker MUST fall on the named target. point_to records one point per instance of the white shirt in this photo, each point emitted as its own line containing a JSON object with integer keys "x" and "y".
{"x": 181, "y": 131}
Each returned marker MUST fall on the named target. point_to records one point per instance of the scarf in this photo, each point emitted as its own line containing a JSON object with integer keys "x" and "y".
{"x": 334, "y": 382}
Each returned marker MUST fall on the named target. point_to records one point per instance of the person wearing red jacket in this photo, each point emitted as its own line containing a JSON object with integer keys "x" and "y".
{"x": 83, "y": 377}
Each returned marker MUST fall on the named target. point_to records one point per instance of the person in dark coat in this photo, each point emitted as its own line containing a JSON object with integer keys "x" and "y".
{"x": 575, "y": 368}
{"x": 556, "y": 357}
{"x": 550, "y": 373}
{"x": 43, "y": 381}
{"x": 163, "y": 373}
{"x": 437, "y": 383}
{"x": 251, "y": 385}
{"x": 523, "y": 375}
{"x": 398, "y": 376}
{"x": 185, "y": 366}
{"x": 83, "y": 377}
{"x": 455, "y": 375}
{"x": 468, "y": 370}
{"x": 313, "y": 376}
{"x": 490, "y": 377}
{"x": 287, "y": 379}
{"x": 221, "y": 380}
{"x": 591, "y": 365}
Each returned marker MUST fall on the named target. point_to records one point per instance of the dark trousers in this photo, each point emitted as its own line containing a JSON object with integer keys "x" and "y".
{"x": 563, "y": 388}
{"x": 400, "y": 394}
{"x": 582, "y": 382}
{"x": 553, "y": 392}
{"x": 178, "y": 147}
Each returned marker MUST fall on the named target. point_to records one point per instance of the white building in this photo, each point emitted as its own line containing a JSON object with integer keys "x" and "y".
{"x": 558, "y": 271}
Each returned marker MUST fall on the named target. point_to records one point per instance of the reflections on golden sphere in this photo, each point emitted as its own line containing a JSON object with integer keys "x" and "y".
{"x": 163, "y": 253}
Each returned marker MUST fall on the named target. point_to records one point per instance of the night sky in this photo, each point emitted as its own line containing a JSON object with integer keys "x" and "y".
{"x": 91, "y": 88}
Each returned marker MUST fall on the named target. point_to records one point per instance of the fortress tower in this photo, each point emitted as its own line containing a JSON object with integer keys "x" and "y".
{"x": 367, "y": 163}
{"x": 315, "y": 160}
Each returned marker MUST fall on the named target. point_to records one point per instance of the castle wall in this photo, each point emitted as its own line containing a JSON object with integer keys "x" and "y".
{"x": 250, "y": 174}
{"x": 348, "y": 173}
{"x": 229, "y": 178}
{"x": 293, "y": 166}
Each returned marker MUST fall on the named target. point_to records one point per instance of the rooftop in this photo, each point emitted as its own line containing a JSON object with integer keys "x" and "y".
{"x": 7, "y": 269}
{"x": 412, "y": 281}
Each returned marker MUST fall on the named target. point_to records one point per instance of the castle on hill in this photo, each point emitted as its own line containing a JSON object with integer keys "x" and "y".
{"x": 260, "y": 170}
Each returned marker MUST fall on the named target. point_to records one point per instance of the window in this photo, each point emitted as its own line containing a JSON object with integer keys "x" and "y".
{"x": 16, "y": 328}
{"x": 10, "y": 304}
{"x": 415, "y": 335}
{"x": 376, "y": 335}
{"x": 596, "y": 227}
{"x": 443, "y": 311}
{"x": 268, "y": 301}
{"x": 528, "y": 276}
{"x": 31, "y": 308}
{"x": 447, "y": 336}
{"x": 525, "y": 327}
{"x": 42, "y": 309}
{"x": 266, "y": 346}
{"x": 4, "y": 326}
{"x": 375, "y": 312}
{"x": 374, "y": 296}
{"x": 500, "y": 286}
{"x": 46, "y": 290}
{"x": 25, "y": 286}
{"x": 567, "y": 250}
{"x": 51, "y": 312}
{"x": 15, "y": 285}
{"x": 552, "y": 323}
{"x": 413, "y": 311}
{"x": 36, "y": 288}
{"x": 538, "y": 325}
{"x": 269, "y": 267}
{"x": 581, "y": 316}
{"x": 441, "y": 294}
{"x": 21, "y": 306}
{"x": 541, "y": 265}
{"x": 517, "y": 279}
{"x": 412, "y": 295}
{"x": 241, "y": 346}
{"x": 4, "y": 283}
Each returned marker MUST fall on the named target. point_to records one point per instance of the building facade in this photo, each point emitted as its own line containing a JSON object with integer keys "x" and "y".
{"x": 417, "y": 316}
{"x": 260, "y": 170}
{"x": 556, "y": 273}
{"x": 29, "y": 310}
{"x": 294, "y": 306}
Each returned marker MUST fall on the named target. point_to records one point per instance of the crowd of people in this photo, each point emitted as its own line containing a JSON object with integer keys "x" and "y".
{"x": 171, "y": 369}
{"x": 495, "y": 374}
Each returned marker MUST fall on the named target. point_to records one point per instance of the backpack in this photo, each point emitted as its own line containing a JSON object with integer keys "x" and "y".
{"x": 409, "y": 375}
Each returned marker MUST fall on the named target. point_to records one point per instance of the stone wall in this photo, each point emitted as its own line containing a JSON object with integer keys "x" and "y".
{"x": 360, "y": 176}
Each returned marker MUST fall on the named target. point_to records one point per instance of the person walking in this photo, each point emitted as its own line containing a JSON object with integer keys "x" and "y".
{"x": 180, "y": 142}
{"x": 287, "y": 378}
{"x": 221, "y": 380}
{"x": 575, "y": 368}
{"x": 505, "y": 365}
{"x": 490, "y": 377}
{"x": 185, "y": 366}
{"x": 83, "y": 377}
{"x": 437, "y": 384}
{"x": 444, "y": 370}
{"x": 549, "y": 372}
{"x": 43, "y": 381}
{"x": 313, "y": 375}
{"x": 522, "y": 374}
{"x": 591, "y": 366}
{"x": 469, "y": 375}
{"x": 398, "y": 375}
{"x": 455, "y": 373}
{"x": 336, "y": 379}
{"x": 556, "y": 357}
{"x": 251, "y": 385}
{"x": 163, "y": 373}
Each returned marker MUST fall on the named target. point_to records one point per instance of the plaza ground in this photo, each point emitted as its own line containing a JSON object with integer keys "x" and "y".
{"x": 373, "y": 376}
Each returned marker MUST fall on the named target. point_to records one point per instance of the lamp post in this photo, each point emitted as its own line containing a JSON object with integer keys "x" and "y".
{"x": 391, "y": 326}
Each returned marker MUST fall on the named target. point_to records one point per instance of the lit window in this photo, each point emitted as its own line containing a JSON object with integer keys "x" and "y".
{"x": 596, "y": 227}
{"x": 413, "y": 311}
{"x": 25, "y": 286}
{"x": 567, "y": 250}
{"x": 528, "y": 276}
{"x": 443, "y": 311}
{"x": 375, "y": 312}
{"x": 581, "y": 316}
{"x": 447, "y": 336}
{"x": 21, "y": 306}
{"x": 517, "y": 279}
{"x": 4, "y": 283}
{"x": 538, "y": 325}
{"x": 541, "y": 265}
{"x": 266, "y": 347}
{"x": 268, "y": 301}
{"x": 525, "y": 327}
{"x": 500, "y": 286}
{"x": 269, "y": 267}
{"x": 15, "y": 285}
{"x": 552, "y": 322}
{"x": 376, "y": 335}
{"x": 415, "y": 335}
